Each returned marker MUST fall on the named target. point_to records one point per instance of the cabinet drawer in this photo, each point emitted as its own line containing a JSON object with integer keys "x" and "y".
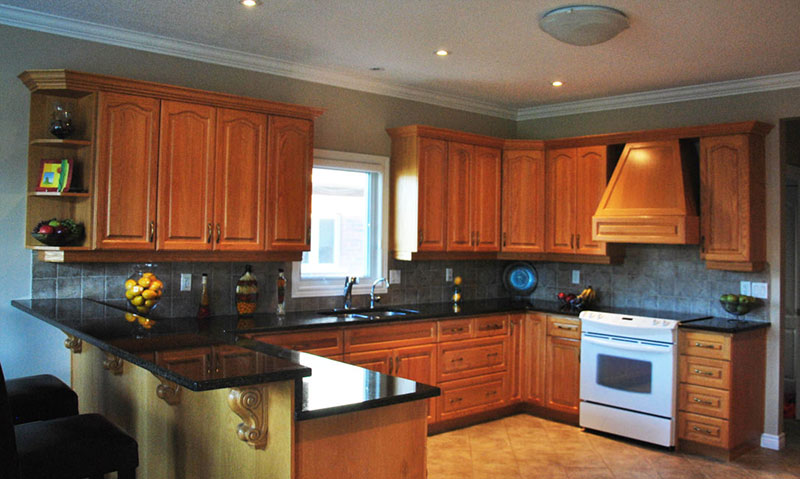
{"x": 491, "y": 326}
{"x": 461, "y": 398}
{"x": 460, "y": 359}
{"x": 705, "y": 429}
{"x": 706, "y": 345}
{"x": 327, "y": 342}
{"x": 703, "y": 400}
{"x": 705, "y": 372}
{"x": 564, "y": 327}
{"x": 387, "y": 336}
{"x": 454, "y": 329}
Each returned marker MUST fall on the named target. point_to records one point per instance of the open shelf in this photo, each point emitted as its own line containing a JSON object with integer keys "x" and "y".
{"x": 81, "y": 194}
{"x": 59, "y": 143}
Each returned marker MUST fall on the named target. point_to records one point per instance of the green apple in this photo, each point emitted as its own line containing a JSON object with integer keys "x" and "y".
{"x": 729, "y": 298}
{"x": 54, "y": 223}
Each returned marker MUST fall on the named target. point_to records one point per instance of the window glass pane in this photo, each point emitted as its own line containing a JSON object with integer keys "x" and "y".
{"x": 340, "y": 224}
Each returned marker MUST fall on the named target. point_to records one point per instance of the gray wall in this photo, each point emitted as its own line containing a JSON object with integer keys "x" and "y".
{"x": 353, "y": 122}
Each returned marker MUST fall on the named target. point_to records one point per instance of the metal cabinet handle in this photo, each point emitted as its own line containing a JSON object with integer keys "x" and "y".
{"x": 704, "y": 345}
{"x": 489, "y": 355}
{"x": 491, "y": 326}
{"x": 456, "y": 330}
{"x": 152, "y": 231}
{"x": 704, "y": 431}
{"x": 397, "y": 363}
{"x": 504, "y": 238}
{"x": 209, "y": 233}
{"x": 421, "y": 237}
{"x": 455, "y": 360}
{"x": 577, "y": 241}
{"x": 391, "y": 365}
{"x": 571, "y": 241}
{"x": 491, "y": 393}
{"x": 704, "y": 373}
{"x": 701, "y": 401}
{"x": 569, "y": 328}
{"x": 477, "y": 238}
{"x": 455, "y": 400}
{"x": 219, "y": 233}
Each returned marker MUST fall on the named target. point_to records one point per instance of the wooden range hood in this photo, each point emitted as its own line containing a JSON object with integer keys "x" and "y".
{"x": 651, "y": 197}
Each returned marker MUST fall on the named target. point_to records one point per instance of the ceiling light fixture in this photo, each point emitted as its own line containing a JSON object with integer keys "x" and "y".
{"x": 584, "y": 25}
{"x": 250, "y": 3}
{"x": 442, "y": 52}
{"x": 558, "y": 83}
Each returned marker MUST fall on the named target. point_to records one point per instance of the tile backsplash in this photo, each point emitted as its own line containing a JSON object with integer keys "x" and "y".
{"x": 652, "y": 276}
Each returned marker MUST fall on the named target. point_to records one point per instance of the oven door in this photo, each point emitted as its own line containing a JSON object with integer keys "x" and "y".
{"x": 627, "y": 373}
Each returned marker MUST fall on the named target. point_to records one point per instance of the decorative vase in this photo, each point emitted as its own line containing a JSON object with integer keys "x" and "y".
{"x": 61, "y": 121}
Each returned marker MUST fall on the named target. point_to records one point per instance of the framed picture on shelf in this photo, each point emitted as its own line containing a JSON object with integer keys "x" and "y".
{"x": 55, "y": 175}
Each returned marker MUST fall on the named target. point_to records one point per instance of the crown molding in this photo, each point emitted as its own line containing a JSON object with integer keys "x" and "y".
{"x": 80, "y": 29}
{"x": 669, "y": 95}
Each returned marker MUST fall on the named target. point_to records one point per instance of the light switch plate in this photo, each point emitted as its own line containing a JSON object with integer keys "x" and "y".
{"x": 760, "y": 290}
{"x": 576, "y": 276}
{"x": 745, "y": 288}
{"x": 448, "y": 274}
{"x": 186, "y": 281}
{"x": 394, "y": 276}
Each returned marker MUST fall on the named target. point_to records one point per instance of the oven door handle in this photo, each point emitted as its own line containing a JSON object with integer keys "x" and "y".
{"x": 628, "y": 346}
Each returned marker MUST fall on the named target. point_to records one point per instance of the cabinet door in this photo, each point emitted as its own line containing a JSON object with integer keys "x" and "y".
{"x": 432, "y": 194}
{"x": 590, "y": 177}
{"x": 192, "y": 363}
{"x": 533, "y": 368}
{"x": 485, "y": 198}
{"x": 418, "y": 363}
{"x": 460, "y": 232}
{"x": 127, "y": 139}
{"x": 523, "y": 201}
{"x": 381, "y": 361}
{"x": 185, "y": 176}
{"x": 290, "y": 160}
{"x": 232, "y": 361}
{"x": 560, "y": 197}
{"x": 515, "y": 359}
{"x": 727, "y": 182}
{"x": 563, "y": 374}
{"x": 241, "y": 181}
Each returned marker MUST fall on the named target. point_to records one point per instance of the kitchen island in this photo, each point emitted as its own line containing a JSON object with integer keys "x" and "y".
{"x": 204, "y": 402}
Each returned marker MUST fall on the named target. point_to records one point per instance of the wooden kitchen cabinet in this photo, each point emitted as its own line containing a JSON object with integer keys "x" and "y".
{"x": 127, "y": 171}
{"x": 720, "y": 391}
{"x": 324, "y": 342}
{"x": 534, "y": 337}
{"x": 732, "y": 202}
{"x": 290, "y": 160}
{"x": 185, "y": 176}
{"x": 562, "y": 390}
{"x": 576, "y": 180}
{"x": 472, "y": 357}
{"x": 515, "y": 360}
{"x": 473, "y": 201}
{"x": 472, "y": 395}
{"x": 523, "y": 199}
{"x": 193, "y": 363}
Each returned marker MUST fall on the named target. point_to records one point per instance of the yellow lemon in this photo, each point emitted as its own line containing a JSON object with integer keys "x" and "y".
{"x": 147, "y": 274}
{"x": 156, "y": 285}
{"x": 137, "y": 300}
{"x": 149, "y": 294}
{"x": 130, "y": 294}
{"x": 136, "y": 290}
{"x": 143, "y": 309}
{"x": 145, "y": 281}
{"x": 130, "y": 317}
{"x": 150, "y": 302}
{"x": 130, "y": 284}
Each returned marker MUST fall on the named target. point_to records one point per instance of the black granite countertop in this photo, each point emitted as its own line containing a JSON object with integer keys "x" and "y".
{"x": 724, "y": 325}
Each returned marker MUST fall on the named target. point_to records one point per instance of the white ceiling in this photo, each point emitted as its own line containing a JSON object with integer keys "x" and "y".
{"x": 501, "y": 62}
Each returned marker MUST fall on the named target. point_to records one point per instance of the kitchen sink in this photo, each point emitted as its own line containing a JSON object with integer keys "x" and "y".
{"x": 368, "y": 313}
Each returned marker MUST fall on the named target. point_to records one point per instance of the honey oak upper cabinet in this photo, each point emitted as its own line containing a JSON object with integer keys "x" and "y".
{"x": 523, "y": 198}
{"x": 185, "y": 176}
{"x": 576, "y": 179}
{"x": 127, "y": 159}
{"x": 473, "y": 201}
{"x": 732, "y": 202}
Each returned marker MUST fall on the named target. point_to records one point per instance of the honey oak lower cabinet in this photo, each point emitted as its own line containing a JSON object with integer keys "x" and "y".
{"x": 534, "y": 336}
{"x": 322, "y": 342}
{"x": 515, "y": 361}
{"x": 210, "y": 361}
{"x": 562, "y": 374}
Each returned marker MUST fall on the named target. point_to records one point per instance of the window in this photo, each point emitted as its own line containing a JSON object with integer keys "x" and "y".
{"x": 349, "y": 231}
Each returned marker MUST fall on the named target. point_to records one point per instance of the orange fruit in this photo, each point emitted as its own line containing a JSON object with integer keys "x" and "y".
{"x": 147, "y": 274}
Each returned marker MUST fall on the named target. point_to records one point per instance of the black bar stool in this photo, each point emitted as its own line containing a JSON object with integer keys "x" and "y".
{"x": 73, "y": 447}
{"x": 36, "y": 398}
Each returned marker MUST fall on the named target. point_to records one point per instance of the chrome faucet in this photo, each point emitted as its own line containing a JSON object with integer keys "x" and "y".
{"x": 349, "y": 281}
{"x": 372, "y": 298}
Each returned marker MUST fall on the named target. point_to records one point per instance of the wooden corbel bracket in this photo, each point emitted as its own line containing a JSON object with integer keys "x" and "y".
{"x": 250, "y": 404}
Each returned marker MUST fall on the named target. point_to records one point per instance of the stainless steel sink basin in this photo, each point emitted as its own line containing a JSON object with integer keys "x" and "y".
{"x": 368, "y": 313}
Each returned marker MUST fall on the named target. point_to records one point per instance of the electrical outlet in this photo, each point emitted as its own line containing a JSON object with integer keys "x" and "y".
{"x": 394, "y": 276}
{"x": 760, "y": 290}
{"x": 448, "y": 274}
{"x": 576, "y": 276}
{"x": 186, "y": 281}
{"x": 745, "y": 288}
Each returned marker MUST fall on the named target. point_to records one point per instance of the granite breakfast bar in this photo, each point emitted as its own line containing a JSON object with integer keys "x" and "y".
{"x": 204, "y": 402}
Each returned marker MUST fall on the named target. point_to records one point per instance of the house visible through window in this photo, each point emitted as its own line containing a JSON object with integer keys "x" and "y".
{"x": 348, "y": 231}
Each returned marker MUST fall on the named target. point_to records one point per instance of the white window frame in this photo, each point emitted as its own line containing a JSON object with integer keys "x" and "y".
{"x": 306, "y": 288}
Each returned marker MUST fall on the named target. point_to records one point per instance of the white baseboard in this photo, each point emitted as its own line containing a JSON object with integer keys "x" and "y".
{"x": 772, "y": 441}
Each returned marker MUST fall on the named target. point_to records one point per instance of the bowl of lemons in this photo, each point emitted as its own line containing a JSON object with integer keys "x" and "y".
{"x": 737, "y": 304}
{"x": 143, "y": 290}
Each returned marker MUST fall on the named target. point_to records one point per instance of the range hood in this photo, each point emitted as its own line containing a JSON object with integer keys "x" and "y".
{"x": 652, "y": 196}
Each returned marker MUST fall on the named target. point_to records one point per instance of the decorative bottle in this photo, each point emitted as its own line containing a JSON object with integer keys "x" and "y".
{"x": 247, "y": 292}
{"x": 204, "y": 310}
{"x": 281, "y": 287}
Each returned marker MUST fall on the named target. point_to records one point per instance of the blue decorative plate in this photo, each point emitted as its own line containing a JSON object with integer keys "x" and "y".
{"x": 520, "y": 278}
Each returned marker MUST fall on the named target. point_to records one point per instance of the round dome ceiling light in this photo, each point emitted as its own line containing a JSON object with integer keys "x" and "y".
{"x": 442, "y": 52}
{"x": 584, "y": 25}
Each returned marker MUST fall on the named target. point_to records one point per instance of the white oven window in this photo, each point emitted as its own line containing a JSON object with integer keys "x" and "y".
{"x": 624, "y": 374}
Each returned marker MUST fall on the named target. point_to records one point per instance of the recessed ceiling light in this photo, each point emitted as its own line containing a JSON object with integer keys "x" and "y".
{"x": 442, "y": 52}
{"x": 250, "y": 3}
{"x": 558, "y": 83}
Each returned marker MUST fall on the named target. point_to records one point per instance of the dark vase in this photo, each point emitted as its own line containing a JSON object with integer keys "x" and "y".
{"x": 61, "y": 122}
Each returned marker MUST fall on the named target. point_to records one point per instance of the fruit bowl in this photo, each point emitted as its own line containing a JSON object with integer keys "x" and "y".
{"x": 58, "y": 233}
{"x": 737, "y": 304}
{"x": 143, "y": 290}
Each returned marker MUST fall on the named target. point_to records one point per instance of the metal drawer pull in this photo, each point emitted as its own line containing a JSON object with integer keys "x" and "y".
{"x": 491, "y": 393}
{"x": 704, "y": 431}
{"x": 456, "y": 330}
{"x": 489, "y": 355}
{"x": 209, "y": 233}
{"x": 562, "y": 326}
{"x": 454, "y": 400}
{"x": 703, "y": 345}
{"x": 704, "y": 373}
{"x": 456, "y": 360}
{"x": 701, "y": 401}
{"x": 491, "y": 326}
